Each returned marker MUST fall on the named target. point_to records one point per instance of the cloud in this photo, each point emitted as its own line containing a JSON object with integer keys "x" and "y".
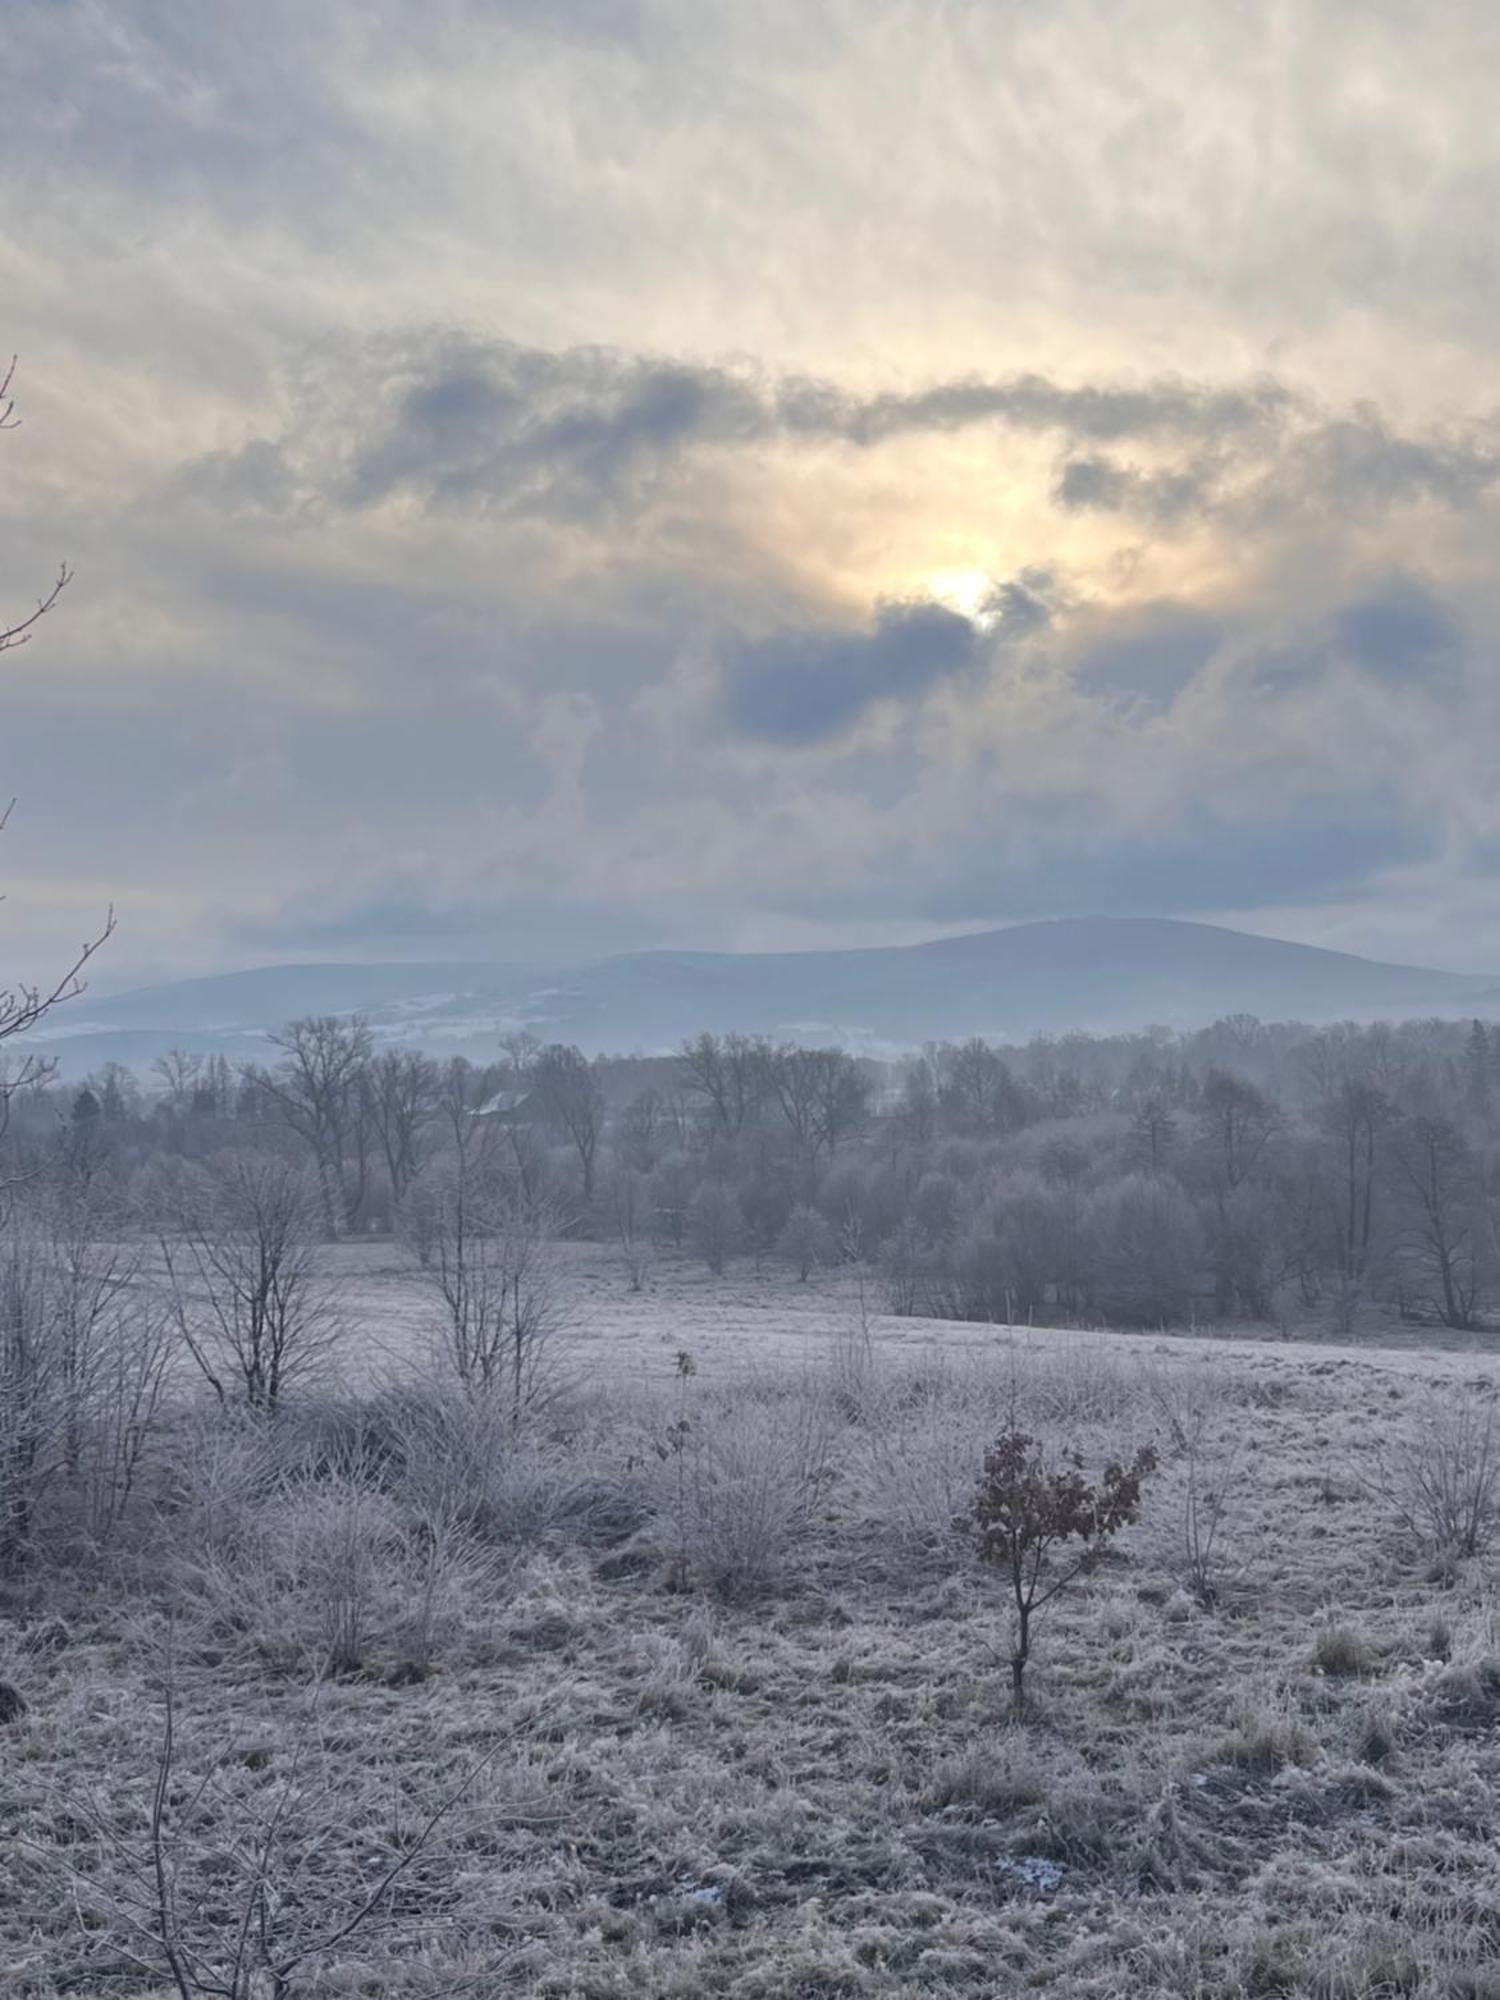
{"x": 601, "y": 440}
{"x": 1195, "y": 860}
{"x": 535, "y": 469}
{"x": 457, "y": 422}
{"x": 403, "y": 921}
{"x": 1403, "y": 634}
{"x": 805, "y": 686}
{"x": 1104, "y": 486}
{"x": 1096, "y": 412}
{"x": 569, "y": 433}
{"x": 1153, "y": 663}
{"x": 1205, "y": 862}
{"x": 1020, "y": 605}
{"x": 584, "y": 431}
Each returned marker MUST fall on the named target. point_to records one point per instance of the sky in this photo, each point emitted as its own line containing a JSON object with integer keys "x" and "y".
{"x": 554, "y": 477}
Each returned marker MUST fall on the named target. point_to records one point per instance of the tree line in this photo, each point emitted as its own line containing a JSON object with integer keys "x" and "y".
{"x": 1245, "y": 1172}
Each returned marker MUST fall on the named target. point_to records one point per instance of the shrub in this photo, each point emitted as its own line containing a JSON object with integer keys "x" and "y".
{"x": 1443, "y": 1479}
{"x": 1026, "y": 1511}
{"x": 806, "y": 1240}
{"x": 904, "y": 1265}
{"x": 738, "y": 1480}
{"x": 715, "y": 1224}
{"x": 1148, "y": 1244}
{"x": 1209, "y": 1479}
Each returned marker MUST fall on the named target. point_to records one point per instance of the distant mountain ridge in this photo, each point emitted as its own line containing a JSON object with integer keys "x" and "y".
{"x": 1095, "y": 974}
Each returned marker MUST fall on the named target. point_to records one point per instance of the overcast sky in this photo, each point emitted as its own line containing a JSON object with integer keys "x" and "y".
{"x": 546, "y": 477}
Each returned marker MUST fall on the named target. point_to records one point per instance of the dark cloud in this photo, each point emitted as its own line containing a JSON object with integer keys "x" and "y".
{"x": 1087, "y": 485}
{"x": 576, "y": 431}
{"x": 803, "y": 687}
{"x": 1403, "y": 635}
{"x": 1359, "y": 459}
{"x": 1100, "y": 414}
{"x": 1308, "y": 461}
{"x": 582, "y": 431}
{"x": 1021, "y": 606}
{"x": 592, "y": 433}
{"x": 559, "y": 433}
{"x": 1099, "y": 485}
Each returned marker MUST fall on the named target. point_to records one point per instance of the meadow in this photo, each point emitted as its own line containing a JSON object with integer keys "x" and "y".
{"x": 689, "y": 1683}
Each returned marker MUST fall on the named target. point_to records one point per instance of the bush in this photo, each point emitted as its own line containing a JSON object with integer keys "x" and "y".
{"x": 1147, "y": 1242}
{"x": 806, "y": 1241}
{"x": 1443, "y": 1480}
{"x": 715, "y": 1225}
{"x": 316, "y": 1546}
{"x": 737, "y": 1480}
{"x": 919, "y": 1459}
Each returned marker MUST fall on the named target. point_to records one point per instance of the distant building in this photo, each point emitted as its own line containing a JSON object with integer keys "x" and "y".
{"x": 507, "y": 1107}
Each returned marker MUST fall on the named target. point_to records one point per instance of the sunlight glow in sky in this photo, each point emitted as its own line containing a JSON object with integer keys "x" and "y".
{"x": 555, "y": 476}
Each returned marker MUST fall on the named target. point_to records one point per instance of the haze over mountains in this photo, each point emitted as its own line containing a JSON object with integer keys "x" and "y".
{"x": 1100, "y": 974}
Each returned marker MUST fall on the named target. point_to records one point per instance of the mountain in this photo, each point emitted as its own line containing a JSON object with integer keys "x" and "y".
{"x": 1101, "y": 974}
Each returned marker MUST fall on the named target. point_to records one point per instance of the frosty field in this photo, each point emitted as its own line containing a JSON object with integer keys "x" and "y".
{"x": 708, "y": 1696}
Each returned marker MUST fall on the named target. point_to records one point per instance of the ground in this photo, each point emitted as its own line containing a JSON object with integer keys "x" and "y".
{"x": 760, "y": 1746}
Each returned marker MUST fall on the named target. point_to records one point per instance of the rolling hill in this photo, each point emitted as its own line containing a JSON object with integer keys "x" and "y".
{"x": 1101, "y": 974}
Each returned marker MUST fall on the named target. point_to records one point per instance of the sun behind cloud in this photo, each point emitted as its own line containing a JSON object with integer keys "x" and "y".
{"x": 966, "y": 591}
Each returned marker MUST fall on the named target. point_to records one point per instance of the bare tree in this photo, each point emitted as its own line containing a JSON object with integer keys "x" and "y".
{"x": 243, "y": 1279}
{"x": 83, "y": 1353}
{"x": 1236, "y": 1124}
{"x": 465, "y": 1099}
{"x": 630, "y": 1204}
{"x": 113, "y": 1342}
{"x": 490, "y": 1258}
{"x": 823, "y": 1095}
{"x": 179, "y": 1072}
{"x": 1353, "y": 1110}
{"x": 320, "y": 1088}
{"x": 404, "y": 1096}
{"x": 1437, "y": 1176}
{"x": 573, "y": 1101}
{"x": 730, "y": 1076}
{"x": 1153, "y": 1134}
{"x": 976, "y": 1089}
{"x": 20, "y": 630}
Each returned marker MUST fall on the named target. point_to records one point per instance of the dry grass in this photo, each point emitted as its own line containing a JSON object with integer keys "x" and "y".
{"x": 745, "y": 1702}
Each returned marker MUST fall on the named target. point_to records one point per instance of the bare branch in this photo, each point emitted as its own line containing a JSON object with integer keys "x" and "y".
{"x": 20, "y": 632}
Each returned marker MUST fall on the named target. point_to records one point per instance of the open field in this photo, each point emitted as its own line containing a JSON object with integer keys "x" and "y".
{"x": 760, "y": 1317}
{"x": 742, "y": 1690}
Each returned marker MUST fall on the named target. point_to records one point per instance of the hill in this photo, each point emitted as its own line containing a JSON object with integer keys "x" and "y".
{"x": 1096, "y": 974}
